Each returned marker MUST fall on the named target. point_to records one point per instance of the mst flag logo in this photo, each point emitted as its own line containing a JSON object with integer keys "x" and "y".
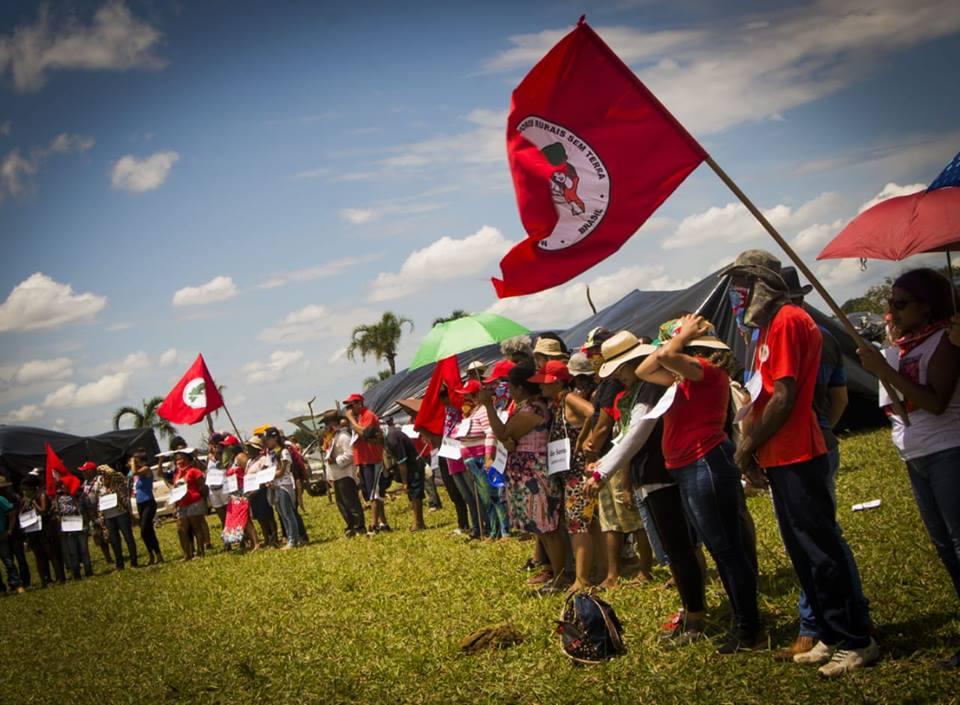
{"x": 195, "y": 393}
{"x": 579, "y": 184}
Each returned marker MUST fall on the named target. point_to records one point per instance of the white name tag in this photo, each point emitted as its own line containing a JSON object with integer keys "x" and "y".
{"x": 753, "y": 388}
{"x": 666, "y": 401}
{"x": 266, "y": 475}
{"x": 214, "y": 477}
{"x": 34, "y": 527}
{"x": 558, "y": 456}
{"x": 177, "y": 493}
{"x": 250, "y": 483}
{"x": 450, "y": 449}
{"x": 500, "y": 459}
{"x": 107, "y": 501}
{"x": 230, "y": 483}
{"x": 28, "y": 518}
{"x": 71, "y": 523}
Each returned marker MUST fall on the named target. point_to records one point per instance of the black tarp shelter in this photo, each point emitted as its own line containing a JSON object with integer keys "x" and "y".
{"x": 642, "y": 312}
{"x": 23, "y": 448}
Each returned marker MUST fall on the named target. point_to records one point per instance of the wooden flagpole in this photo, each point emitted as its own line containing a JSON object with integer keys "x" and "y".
{"x": 841, "y": 316}
{"x": 232, "y": 423}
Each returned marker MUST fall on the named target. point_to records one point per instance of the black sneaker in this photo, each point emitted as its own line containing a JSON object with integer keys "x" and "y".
{"x": 384, "y": 528}
{"x": 739, "y": 640}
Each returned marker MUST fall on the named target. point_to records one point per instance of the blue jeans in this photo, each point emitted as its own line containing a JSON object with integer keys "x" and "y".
{"x": 6, "y": 556}
{"x": 288, "y": 515}
{"x": 712, "y": 499}
{"x": 475, "y": 466}
{"x": 808, "y": 526}
{"x": 935, "y": 479}
{"x": 653, "y": 536}
{"x": 808, "y": 623}
{"x": 75, "y": 552}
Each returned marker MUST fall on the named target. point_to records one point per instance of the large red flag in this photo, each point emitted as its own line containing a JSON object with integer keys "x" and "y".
{"x": 56, "y": 470}
{"x": 194, "y": 397}
{"x": 432, "y": 411}
{"x": 593, "y": 154}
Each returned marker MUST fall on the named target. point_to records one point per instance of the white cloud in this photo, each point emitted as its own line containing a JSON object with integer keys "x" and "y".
{"x": 131, "y": 363}
{"x": 106, "y": 389}
{"x": 43, "y": 371}
{"x": 139, "y": 175}
{"x": 219, "y": 288}
{"x": 315, "y": 322}
{"x": 25, "y": 414}
{"x": 272, "y": 369}
{"x": 122, "y": 325}
{"x": 755, "y": 68}
{"x": 322, "y": 271}
{"x": 168, "y": 357}
{"x": 443, "y": 260}
{"x": 565, "y": 305}
{"x": 113, "y": 40}
{"x": 41, "y": 302}
{"x": 891, "y": 190}
{"x": 16, "y": 170}
{"x": 339, "y": 355}
{"x": 362, "y": 216}
{"x": 811, "y": 240}
{"x": 733, "y": 223}
{"x": 296, "y": 406}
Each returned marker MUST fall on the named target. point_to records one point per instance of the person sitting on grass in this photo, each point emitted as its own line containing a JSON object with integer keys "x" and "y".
{"x": 924, "y": 365}
{"x": 699, "y": 454}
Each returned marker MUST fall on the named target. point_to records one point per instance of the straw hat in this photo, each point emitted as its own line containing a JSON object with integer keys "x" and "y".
{"x": 411, "y": 406}
{"x": 548, "y": 347}
{"x": 621, "y": 348}
{"x": 476, "y": 365}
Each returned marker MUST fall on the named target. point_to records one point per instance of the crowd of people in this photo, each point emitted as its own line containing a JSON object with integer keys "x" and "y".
{"x": 629, "y": 445}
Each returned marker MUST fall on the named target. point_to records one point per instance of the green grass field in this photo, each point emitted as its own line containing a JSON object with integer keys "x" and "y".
{"x": 380, "y": 621}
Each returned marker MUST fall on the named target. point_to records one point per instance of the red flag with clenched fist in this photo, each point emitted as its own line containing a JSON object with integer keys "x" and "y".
{"x": 593, "y": 154}
{"x": 194, "y": 397}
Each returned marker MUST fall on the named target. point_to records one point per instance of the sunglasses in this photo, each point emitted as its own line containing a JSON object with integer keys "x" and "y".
{"x": 898, "y": 304}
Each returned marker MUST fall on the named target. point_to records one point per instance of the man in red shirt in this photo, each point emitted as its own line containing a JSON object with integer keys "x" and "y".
{"x": 782, "y": 443}
{"x": 368, "y": 457}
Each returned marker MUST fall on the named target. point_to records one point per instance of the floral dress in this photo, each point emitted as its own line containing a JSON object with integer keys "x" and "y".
{"x": 579, "y": 507}
{"x": 534, "y": 500}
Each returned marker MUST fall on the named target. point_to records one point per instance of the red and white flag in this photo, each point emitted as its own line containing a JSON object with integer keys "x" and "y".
{"x": 194, "y": 397}
{"x": 593, "y": 154}
{"x": 57, "y": 472}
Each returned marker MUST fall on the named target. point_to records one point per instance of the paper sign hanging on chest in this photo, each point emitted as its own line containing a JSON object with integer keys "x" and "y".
{"x": 558, "y": 456}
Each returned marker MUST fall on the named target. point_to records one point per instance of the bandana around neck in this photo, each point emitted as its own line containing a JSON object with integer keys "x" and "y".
{"x": 906, "y": 343}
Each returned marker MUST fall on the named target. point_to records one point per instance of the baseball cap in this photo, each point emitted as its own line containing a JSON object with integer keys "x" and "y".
{"x": 553, "y": 371}
{"x": 352, "y": 398}
{"x": 499, "y": 371}
{"x": 471, "y": 387}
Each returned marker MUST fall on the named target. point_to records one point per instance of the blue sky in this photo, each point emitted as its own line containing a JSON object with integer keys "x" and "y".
{"x": 251, "y": 180}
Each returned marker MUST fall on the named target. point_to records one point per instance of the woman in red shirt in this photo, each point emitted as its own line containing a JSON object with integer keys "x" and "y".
{"x": 699, "y": 455}
{"x": 191, "y": 508}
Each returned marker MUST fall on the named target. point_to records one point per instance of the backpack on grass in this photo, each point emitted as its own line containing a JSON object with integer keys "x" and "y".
{"x": 589, "y": 629}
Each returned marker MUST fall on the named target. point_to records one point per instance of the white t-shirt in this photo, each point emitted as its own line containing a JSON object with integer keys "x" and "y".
{"x": 285, "y": 481}
{"x": 927, "y": 433}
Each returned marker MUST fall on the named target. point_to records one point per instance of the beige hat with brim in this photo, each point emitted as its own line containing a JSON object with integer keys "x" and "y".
{"x": 622, "y": 348}
{"x": 707, "y": 341}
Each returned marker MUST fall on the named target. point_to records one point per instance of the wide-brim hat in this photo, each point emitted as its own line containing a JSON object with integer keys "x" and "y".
{"x": 622, "y": 347}
{"x": 255, "y": 441}
{"x": 548, "y": 347}
{"x": 331, "y": 416}
{"x": 476, "y": 365}
{"x": 411, "y": 406}
{"x": 794, "y": 290}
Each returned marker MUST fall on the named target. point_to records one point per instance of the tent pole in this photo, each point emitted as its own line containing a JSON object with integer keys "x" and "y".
{"x": 316, "y": 433}
{"x": 801, "y": 265}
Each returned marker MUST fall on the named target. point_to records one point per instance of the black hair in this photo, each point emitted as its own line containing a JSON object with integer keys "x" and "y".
{"x": 177, "y": 442}
{"x": 929, "y": 287}
{"x": 518, "y": 377}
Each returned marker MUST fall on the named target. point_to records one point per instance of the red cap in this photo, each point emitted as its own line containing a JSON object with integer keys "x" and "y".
{"x": 471, "y": 387}
{"x": 89, "y": 465}
{"x": 230, "y": 440}
{"x": 500, "y": 371}
{"x": 553, "y": 371}
{"x": 352, "y": 398}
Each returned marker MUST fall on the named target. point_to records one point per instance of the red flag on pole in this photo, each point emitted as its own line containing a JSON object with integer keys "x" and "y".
{"x": 194, "y": 397}
{"x": 432, "y": 411}
{"x": 593, "y": 154}
{"x": 57, "y": 471}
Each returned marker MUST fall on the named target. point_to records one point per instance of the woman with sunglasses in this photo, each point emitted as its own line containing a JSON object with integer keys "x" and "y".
{"x": 923, "y": 365}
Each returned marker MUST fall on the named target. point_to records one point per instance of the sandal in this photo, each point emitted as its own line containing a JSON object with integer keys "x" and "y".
{"x": 541, "y": 578}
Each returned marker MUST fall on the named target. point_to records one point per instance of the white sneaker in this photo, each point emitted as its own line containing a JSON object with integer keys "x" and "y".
{"x": 846, "y": 660}
{"x": 817, "y": 656}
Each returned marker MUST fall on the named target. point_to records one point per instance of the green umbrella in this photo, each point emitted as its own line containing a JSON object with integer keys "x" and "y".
{"x": 463, "y": 334}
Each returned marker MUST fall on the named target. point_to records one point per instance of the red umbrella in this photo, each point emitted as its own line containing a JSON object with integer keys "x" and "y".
{"x": 928, "y": 221}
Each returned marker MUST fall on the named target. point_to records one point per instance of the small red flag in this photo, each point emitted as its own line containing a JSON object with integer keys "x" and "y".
{"x": 57, "y": 471}
{"x": 432, "y": 411}
{"x": 194, "y": 397}
{"x": 593, "y": 154}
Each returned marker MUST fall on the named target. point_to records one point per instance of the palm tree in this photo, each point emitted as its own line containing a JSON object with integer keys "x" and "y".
{"x": 379, "y": 339}
{"x": 146, "y": 418}
{"x": 454, "y": 315}
{"x": 381, "y": 375}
